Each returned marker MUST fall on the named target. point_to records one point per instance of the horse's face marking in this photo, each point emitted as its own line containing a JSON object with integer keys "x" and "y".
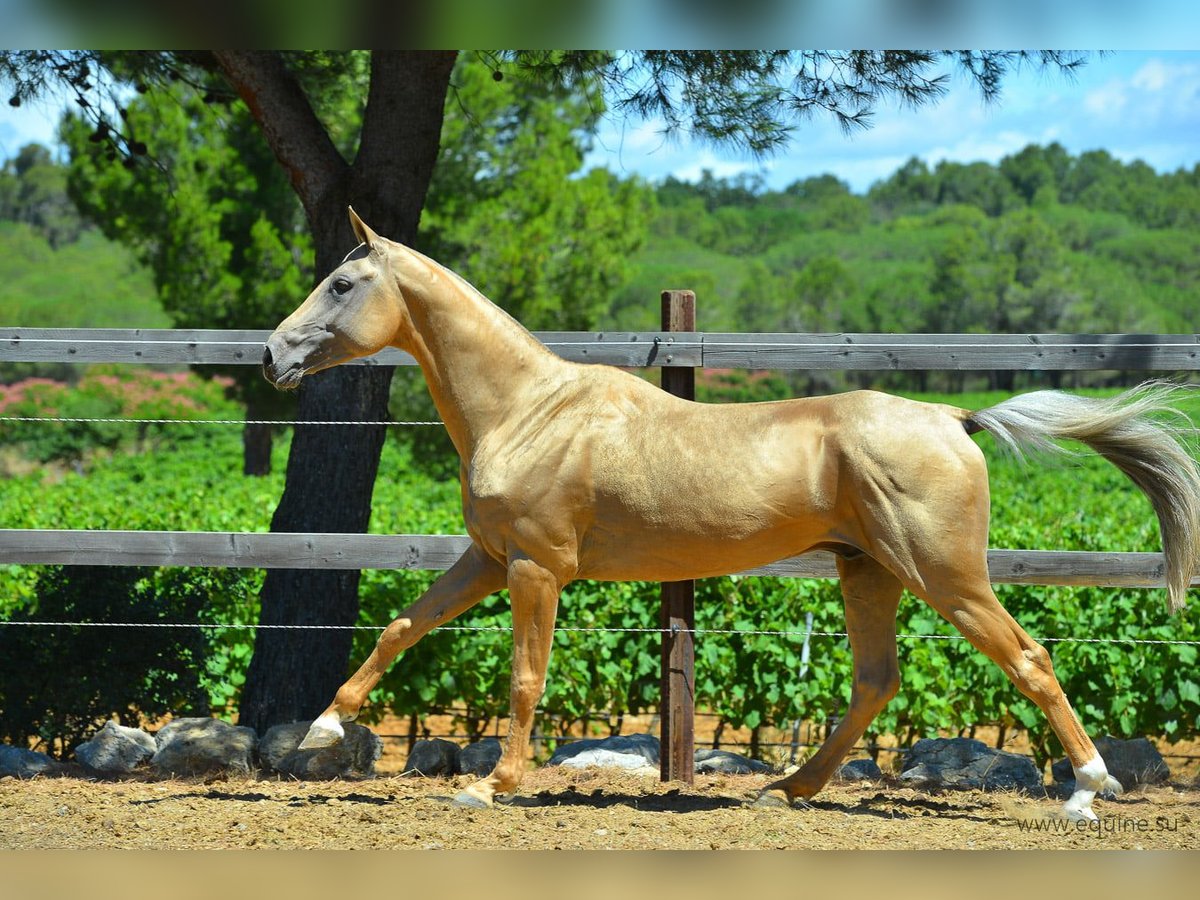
{"x": 356, "y": 311}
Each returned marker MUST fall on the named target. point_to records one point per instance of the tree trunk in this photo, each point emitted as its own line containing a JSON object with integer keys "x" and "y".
{"x": 256, "y": 439}
{"x": 330, "y": 478}
{"x": 331, "y": 470}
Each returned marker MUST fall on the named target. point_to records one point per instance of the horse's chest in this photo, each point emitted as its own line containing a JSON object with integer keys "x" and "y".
{"x": 503, "y": 490}
{"x": 510, "y": 488}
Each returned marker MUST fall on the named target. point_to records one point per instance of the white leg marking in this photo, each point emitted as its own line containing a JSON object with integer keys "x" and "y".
{"x": 1090, "y": 779}
{"x": 324, "y": 732}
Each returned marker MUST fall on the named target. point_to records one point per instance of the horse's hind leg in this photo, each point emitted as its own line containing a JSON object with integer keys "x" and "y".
{"x": 871, "y": 594}
{"x": 469, "y": 580}
{"x": 970, "y": 605}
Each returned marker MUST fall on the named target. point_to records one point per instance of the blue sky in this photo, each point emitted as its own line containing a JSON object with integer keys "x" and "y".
{"x": 1135, "y": 104}
{"x": 1139, "y": 105}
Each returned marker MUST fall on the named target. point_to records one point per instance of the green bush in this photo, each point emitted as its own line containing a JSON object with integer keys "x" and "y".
{"x": 59, "y": 684}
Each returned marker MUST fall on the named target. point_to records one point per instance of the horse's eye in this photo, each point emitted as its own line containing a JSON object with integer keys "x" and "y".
{"x": 341, "y": 285}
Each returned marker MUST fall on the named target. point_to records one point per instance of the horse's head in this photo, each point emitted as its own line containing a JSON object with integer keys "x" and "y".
{"x": 356, "y": 311}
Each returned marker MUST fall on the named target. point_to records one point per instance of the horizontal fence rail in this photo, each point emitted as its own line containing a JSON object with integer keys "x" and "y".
{"x": 437, "y": 552}
{"x": 859, "y": 352}
{"x": 169, "y": 346}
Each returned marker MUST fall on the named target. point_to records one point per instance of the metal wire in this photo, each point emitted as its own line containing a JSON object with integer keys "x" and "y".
{"x": 573, "y": 629}
{"x": 90, "y": 419}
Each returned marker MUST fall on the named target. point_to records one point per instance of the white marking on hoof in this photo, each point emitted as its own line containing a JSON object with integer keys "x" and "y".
{"x": 324, "y": 732}
{"x": 1090, "y": 779}
{"x": 1079, "y": 809}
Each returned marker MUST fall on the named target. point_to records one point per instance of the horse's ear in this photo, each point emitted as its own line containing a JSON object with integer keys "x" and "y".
{"x": 361, "y": 230}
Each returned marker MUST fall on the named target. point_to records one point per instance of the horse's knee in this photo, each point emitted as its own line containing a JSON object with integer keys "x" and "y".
{"x": 527, "y": 690}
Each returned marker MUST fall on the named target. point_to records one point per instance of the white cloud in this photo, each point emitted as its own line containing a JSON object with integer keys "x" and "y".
{"x": 1153, "y": 76}
{"x": 721, "y": 168}
{"x": 1106, "y": 102}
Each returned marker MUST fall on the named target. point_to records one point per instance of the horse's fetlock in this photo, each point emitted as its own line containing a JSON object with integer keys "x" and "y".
{"x": 346, "y": 704}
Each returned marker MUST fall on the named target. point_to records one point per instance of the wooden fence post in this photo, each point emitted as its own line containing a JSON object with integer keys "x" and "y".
{"x": 677, "y": 616}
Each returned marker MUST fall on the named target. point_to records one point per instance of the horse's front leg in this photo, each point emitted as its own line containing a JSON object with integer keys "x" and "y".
{"x": 534, "y": 594}
{"x": 460, "y": 587}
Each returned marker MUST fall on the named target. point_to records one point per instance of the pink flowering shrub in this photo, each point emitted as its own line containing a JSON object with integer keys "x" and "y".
{"x": 107, "y": 392}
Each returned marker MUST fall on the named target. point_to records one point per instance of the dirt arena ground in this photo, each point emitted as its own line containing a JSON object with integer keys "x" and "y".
{"x": 563, "y": 809}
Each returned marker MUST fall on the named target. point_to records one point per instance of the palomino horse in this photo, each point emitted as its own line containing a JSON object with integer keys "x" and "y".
{"x": 584, "y": 471}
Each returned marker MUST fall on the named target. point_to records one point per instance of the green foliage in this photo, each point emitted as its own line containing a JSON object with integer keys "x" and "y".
{"x": 55, "y": 272}
{"x": 510, "y": 210}
{"x": 739, "y": 386}
{"x": 58, "y": 684}
{"x": 33, "y": 193}
{"x": 91, "y": 283}
{"x": 107, "y": 392}
{"x": 207, "y": 209}
{"x": 1041, "y": 242}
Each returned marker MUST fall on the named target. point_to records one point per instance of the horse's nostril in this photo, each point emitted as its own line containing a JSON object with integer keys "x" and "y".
{"x": 267, "y": 360}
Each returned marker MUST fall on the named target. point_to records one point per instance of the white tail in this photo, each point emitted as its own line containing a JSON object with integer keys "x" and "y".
{"x": 1141, "y": 434}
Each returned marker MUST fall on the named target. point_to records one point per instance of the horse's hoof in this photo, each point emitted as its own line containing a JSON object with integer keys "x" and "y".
{"x": 771, "y": 800}
{"x": 1112, "y": 788}
{"x": 324, "y": 732}
{"x": 1077, "y": 811}
{"x": 467, "y": 800}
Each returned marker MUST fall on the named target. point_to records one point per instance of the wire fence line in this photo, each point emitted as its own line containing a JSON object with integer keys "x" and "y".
{"x": 745, "y": 632}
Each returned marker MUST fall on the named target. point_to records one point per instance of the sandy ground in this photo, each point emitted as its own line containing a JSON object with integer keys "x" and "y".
{"x": 564, "y": 809}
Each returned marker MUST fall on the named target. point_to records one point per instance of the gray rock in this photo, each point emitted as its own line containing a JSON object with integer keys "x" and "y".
{"x": 1131, "y": 762}
{"x": 598, "y": 757}
{"x": 115, "y": 749}
{"x": 966, "y": 764}
{"x": 432, "y": 758}
{"x": 199, "y": 746}
{"x": 709, "y": 761}
{"x": 352, "y": 757}
{"x": 859, "y": 770}
{"x": 644, "y": 746}
{"x": 22, "y": 763}
{"x": 479, "y": 758}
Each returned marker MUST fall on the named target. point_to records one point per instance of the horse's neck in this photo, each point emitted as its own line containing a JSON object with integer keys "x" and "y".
{"x": 480, "y": 363}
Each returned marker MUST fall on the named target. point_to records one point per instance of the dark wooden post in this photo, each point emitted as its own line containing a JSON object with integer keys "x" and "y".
{"x": 678, "y": 612}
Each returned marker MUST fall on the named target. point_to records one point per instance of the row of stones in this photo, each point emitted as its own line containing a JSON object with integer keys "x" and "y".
{"x": 197, "y": 746}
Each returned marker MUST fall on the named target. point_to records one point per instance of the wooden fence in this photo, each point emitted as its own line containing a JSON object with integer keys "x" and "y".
{"x": 676, "y": 347}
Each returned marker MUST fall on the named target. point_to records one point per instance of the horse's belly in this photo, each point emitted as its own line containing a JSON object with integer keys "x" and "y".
{"x": 670, "y": 555}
